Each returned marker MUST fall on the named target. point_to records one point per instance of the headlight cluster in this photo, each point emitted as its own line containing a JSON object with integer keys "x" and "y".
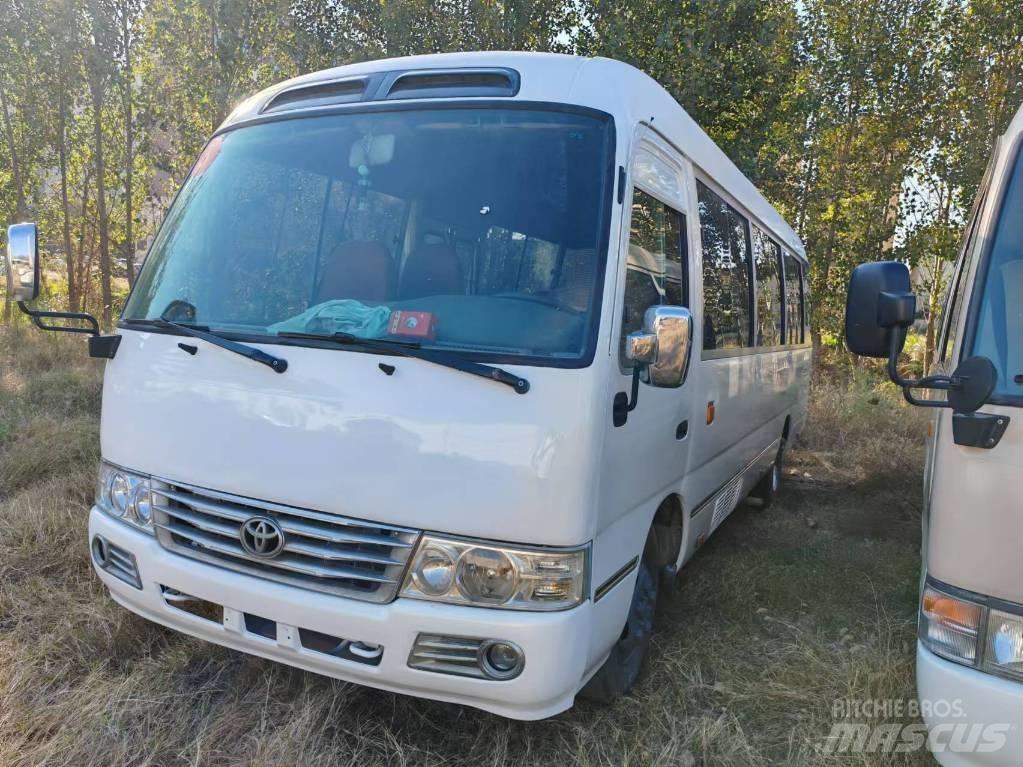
{"x": 967, "y": 631}
{"x": 471, "y": 573}
{"x": 125, "y": 495}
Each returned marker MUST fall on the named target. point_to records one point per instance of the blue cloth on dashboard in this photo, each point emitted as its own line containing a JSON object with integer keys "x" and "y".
{"x": 339, "y": 316}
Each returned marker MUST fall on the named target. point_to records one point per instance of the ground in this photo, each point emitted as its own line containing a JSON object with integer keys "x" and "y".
{"x": 782, "y": 620}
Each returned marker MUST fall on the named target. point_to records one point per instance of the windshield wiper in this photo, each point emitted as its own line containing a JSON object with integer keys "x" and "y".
{"x": 277, "y": 364}
{"x": 415, "y": 351}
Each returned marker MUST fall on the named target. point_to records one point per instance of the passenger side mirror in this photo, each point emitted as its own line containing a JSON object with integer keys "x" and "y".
{"x": 662, "y": 347}
{"x": 880, "y": 305}
{"x": 23, "y": 261}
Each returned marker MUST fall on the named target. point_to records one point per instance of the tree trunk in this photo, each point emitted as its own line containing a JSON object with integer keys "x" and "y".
{"x": 97, "y": 87}
{"x": 19, "y": 190}
{"x": 69, "y": 256}
{"x": 129, "y": 151}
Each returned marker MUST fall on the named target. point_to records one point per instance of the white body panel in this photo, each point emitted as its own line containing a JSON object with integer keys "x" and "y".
{"x": 963, "y": 706}
{"x": 437, "y": 450}
{"x": 972, "y": 523}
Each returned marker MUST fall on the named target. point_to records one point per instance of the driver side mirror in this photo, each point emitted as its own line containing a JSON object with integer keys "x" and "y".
{"x": 879, "y": 307}
{"x": 662, "y": 347}
{"x": 23, "y": 261}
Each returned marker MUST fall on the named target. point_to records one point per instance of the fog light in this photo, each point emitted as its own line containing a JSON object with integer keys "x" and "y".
{"x": 501, "y": 660}
{"x": 99, "y": 551}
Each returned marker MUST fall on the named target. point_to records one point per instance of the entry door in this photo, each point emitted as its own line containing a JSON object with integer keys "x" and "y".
{"x": 648, "y": 453}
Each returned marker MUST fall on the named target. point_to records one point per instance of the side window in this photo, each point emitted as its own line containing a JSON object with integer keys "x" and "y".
{"x": 726, "y": 283}
{"x": 793, "y": 301}
{"x": 805, "y": 282}
{"x": 954, "y": 302}
{"x": 655, "y": 269}
{"x": 767, "y": 257}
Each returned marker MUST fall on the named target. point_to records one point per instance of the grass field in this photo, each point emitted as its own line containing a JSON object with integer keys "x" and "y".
{"x": 781, "y": 614}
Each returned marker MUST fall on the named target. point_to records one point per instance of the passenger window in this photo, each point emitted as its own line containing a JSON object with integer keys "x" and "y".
{"x": 655, "y": 271}
{"x": 770, "y": 301}
{"x": 726, "y": 282}
{"x": 805, "y": 283}
{"x": 793, "y": 301}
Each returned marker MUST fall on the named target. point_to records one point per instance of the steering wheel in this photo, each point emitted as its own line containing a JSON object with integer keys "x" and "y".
{"x": 533, "y": 298}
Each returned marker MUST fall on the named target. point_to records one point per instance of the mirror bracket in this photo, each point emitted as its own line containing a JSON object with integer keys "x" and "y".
{"x": 983, "y": 430}
{"x": 99, "y": 345}
{"x": 624, "y": 404}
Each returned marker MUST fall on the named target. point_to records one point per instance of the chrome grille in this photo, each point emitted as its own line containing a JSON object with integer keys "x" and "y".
{"x": 322, "y": 552}
{"x": 447, "y": 655}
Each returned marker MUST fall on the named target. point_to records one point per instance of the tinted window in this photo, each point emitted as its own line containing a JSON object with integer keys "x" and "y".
{"x": 767, "y": 258}
{"x": 486, "y": 221}
{"x": 1000, "y": 321}
{"x": 793, "y": 301}
{"x": 654, "y": 271}
{"x": 726, "y": 286}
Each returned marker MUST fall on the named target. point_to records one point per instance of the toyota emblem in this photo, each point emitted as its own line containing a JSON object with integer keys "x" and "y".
{"x": 262, "y": 537}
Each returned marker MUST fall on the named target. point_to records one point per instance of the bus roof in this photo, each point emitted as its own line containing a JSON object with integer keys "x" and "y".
{"x": 611, "y": 86}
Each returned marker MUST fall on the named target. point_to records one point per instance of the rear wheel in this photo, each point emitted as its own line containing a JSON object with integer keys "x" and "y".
{"x": 622, "y": 668}
{"x": 765, "y": 490}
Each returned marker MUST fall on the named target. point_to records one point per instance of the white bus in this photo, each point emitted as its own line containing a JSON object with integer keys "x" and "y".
{"x": 404, "y": 392}
{"x": 970, "y": 653}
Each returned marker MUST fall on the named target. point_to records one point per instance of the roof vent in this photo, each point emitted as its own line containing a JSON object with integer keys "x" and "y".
{"x": 450, "y": 83}
{"x": 318, "y": 94}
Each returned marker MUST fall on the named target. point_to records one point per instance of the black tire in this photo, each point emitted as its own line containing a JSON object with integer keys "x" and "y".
{"x": 623, "y": 666}
{"x": 768, "y": 485}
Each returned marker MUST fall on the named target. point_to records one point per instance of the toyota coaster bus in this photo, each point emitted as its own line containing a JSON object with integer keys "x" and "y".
{"x": 405, "y": 391}
{"x": 970, "y": 652}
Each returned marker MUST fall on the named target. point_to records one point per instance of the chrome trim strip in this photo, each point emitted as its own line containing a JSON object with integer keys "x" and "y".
{"x": 615, "y": 579}
{"x": 710, "y": 499}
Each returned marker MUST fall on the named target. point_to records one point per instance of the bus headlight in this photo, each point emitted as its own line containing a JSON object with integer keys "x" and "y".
{"x": 125, "y": 495}
{"x": 1003, "y": 648}
{"x": 473, "y": 573}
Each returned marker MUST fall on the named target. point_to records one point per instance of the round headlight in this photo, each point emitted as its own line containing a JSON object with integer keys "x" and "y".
{"x": 120, "y": 493}
{"x": 141, "y": 503}
{"x": 435, "y": 572}
{"x": 486, "y": 575}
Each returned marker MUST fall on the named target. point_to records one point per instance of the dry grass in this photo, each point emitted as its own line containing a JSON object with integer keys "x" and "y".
{"x": 780, "y": 614}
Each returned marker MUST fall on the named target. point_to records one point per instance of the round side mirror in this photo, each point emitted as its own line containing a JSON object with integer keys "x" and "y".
{"x": 972, "y": 384}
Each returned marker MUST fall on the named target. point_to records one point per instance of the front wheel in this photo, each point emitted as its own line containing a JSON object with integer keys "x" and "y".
{"x": 622, "y": 668}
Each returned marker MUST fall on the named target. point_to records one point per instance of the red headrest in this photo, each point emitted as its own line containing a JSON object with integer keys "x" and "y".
{"x": 357, "y": 269}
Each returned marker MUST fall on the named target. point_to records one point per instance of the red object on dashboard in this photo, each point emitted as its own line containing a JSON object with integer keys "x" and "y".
{"x": 412, "y": 324}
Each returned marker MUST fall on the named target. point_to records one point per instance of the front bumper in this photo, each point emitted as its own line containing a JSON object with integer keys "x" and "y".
{"x": 974, "y": 719}
{"x": 555, "y": 644}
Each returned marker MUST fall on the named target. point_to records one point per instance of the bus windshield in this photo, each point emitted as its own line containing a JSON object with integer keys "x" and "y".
{"x": 1000, "y": 320}
{"x": 473, "y": 230}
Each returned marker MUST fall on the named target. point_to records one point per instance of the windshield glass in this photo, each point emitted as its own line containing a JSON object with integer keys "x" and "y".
{"x": 471, "y": 230}
{"x": 1000, "y": 322}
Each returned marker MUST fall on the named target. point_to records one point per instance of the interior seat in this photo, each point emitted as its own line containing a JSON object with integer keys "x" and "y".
{"x": 358, "y": 269}
{"x": 431, "y": 270}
